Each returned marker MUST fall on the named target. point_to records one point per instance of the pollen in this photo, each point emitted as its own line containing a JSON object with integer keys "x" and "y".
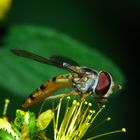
{"x": 85, "y": 102}
{"x": 7, "y": 101}
{"x": 124, "y": 130}
{"x": 108, "y": 118}
{"x": 78, "y": 104}
{"x": 90, "y": 111}
{"x": 103, "y": 106}
{"x": 74, "y": 102}
{"x": 90, "y": 104}
{"x": 68, "y": 97}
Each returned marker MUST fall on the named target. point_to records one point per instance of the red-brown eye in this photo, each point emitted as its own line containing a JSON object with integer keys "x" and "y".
{"x": 103, "y": 84}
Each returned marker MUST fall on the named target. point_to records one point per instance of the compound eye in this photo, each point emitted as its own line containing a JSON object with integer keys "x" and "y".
{"x": 103, "y": 84}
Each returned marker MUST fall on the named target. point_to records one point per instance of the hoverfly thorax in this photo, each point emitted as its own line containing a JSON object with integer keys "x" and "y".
{"x": 86, "y": 81}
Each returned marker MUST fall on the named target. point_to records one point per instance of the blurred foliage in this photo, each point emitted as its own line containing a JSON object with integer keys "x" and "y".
{"x": 21, "y": 76}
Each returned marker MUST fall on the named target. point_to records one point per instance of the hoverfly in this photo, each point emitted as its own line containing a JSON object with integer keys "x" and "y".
{"x": 84, "y": 80}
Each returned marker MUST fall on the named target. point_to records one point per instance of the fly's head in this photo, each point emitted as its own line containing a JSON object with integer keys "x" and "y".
{"x": 99, "y": 84}
{"x": 105, "y": 85}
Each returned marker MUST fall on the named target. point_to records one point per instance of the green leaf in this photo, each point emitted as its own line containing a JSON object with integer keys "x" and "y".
{"x": 21, "y": 76}
{"x": 4, "y": 135}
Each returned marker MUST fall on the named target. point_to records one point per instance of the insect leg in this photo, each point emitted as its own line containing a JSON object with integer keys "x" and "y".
{"x": 63, "y": 95}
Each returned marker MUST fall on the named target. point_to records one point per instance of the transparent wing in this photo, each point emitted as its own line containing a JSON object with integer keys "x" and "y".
{"x": 58, "y": 61}
{"x": 61, "y": 60}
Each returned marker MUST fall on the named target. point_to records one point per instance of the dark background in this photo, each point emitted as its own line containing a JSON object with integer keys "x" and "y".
{"x": 110, "y": 26}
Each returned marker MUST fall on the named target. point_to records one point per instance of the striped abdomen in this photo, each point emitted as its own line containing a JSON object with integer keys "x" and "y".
{"x": 47, "y": 89}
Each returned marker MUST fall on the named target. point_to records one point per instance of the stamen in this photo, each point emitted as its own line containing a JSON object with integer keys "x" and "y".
{"x": 108, "y": 133}
{"x": 99, "y": 111}
{"x": 7, "y": 101}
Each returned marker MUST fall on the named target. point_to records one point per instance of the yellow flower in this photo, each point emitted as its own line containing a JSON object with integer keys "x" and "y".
{"x": 6, "y": 130}
{"x": 78, "y": 117}
{"x": 4, "y": 7}
{"x": 76, "y": 121}
{"x": 5, "y": 125}
{"x": 71, "y": 121}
